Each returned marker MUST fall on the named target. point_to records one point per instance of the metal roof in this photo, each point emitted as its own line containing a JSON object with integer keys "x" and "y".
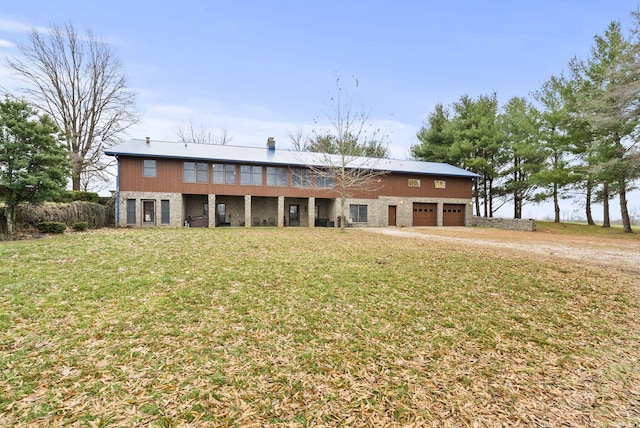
{"x": 228, "y": 153}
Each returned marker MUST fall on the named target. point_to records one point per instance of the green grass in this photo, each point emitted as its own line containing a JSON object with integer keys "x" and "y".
{"x": 298, "y": 327}
{"x": 582, "y": 229}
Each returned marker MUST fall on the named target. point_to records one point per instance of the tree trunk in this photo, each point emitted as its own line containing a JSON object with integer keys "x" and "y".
{"x": 486, "y": 205}
{"x": 606, "y": 221}
{"x": 556, "y": 204}
{"x": 75, "y": 175}
{"x": 517, "y": 198}
{"x": 491, "y": 197}
{"x": 477, "y": 196}
{"x": 343, "y": 214}
{"x": 624, "y": 212}
{"x": 587, "y": 206}
{"x": 10, "y": 213}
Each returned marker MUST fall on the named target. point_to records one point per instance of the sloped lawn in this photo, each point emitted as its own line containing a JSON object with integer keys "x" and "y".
{"x": 298, "y": 327}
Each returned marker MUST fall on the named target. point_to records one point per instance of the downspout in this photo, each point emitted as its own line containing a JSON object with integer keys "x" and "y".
{"x": 118, "y": 193}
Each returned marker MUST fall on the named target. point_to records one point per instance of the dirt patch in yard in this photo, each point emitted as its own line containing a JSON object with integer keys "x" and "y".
{"x": 614, "y": 254}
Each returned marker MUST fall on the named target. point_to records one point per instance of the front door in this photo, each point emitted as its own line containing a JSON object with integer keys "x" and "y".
{"x": 392, "y": 215}
{"x": 294, "y": 215}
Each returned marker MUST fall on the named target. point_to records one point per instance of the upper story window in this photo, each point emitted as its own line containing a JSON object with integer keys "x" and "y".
{"x": 300, "y": 177}
{"x": 149, "y": 168}
{"x": 224, "y": 173}
{"x": 196, "y": 172}
{"x": 251, "y": 175}
{"x": 324, "y": 181}
{"x": 277, "y": 176}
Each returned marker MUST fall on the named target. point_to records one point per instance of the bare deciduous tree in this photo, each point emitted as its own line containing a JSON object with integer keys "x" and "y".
{"x": 201, "y": 135}
{"x": 299, "y": 140}
{"x": 351, "y": 149}
{"x": 79, "y": 82}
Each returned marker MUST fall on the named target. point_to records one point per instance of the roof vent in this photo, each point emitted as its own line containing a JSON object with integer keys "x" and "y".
{"x": 148, "y": 140}
{"x": 271, "y": 144}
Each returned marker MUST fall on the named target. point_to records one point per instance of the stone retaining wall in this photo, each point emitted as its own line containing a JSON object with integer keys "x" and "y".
{"x": 527, "y": 225}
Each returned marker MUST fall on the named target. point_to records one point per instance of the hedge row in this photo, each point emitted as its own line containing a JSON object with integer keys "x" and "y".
{"x": 93, "y": 214}
{"x": 76, "y": 195}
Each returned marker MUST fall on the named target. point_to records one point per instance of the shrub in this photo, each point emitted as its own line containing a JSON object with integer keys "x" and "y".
{"x": 80, "y": 226}
{"x": 75, "y": 195}
{"x": 52, "y": 227}
{"x": 78, "y": 211}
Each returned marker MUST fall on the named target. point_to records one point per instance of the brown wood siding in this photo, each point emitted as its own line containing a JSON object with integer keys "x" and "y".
{"x": 453, "y": 214}
{"x": 169, "y": 178}
{"x": 398, "y": 185}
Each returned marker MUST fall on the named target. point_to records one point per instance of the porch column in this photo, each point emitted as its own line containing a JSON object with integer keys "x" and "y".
{"x": 280, "y": 211}
{"x": 247, "y": 210}
{"x": 440, "y": 214}
{"x": 212, "y": 210}
{"x": 311, "y": 212}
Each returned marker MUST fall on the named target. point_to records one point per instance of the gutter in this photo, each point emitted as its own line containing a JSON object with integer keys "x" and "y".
{"x": 117, "y": 192}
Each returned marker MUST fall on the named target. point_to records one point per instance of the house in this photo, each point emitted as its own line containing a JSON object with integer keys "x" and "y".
{"x": 202, "y": 185}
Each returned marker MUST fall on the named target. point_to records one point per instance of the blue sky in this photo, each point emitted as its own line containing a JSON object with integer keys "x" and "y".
{"x": 260, "y": 69}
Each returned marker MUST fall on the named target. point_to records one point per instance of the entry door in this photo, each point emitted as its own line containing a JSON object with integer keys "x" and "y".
{"x": 148, "y": 212}
{"x": 221, "y": 213}
{"x": 294, "y": 215}
{"x": 392, "y": 215}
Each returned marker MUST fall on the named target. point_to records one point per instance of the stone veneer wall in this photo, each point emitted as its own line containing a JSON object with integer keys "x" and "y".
{"x": 176, "y": 210}
{"x": 527, "y": 225}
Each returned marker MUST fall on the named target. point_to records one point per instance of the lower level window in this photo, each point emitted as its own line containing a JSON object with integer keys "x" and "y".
{"x": 164, "y": 211}
{"x": 131, "y": 211}
{"x": 358, "y": 213}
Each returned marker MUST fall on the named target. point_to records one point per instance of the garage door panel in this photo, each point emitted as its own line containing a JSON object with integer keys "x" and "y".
{"x": 425, "y": 214}
{"x": 453, "y": 214}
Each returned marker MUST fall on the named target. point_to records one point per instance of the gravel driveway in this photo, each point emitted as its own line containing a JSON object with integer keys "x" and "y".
{"x": 618, "y": 254}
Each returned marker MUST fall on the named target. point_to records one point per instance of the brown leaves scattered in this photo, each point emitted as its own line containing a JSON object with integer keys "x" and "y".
{"x": 311, "y": 328}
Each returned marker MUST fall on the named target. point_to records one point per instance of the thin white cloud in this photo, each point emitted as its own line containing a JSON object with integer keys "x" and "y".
{"x": 6, "y": 44}
{"x": 15, "y": 26}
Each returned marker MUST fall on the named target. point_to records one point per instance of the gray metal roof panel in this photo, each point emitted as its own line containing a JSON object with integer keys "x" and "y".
{"x": 229, "y": 153}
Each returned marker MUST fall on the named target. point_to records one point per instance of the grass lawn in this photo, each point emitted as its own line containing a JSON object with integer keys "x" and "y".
{"x": 303, "y": 327}
{"x": 583, "y": 229}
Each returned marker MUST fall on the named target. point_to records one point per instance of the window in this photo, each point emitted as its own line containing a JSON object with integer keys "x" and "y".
{"x": 149, "y": 168}
{"x": 358, "y": 213}
{"x": 277, "y": 176}
{"x": 196, "y": 172}
{"x": 300, "y": 177}
{"x": 324, "y": 181}
{"x": 251, "y": 175}
{"x": 164, "y": 211}
{"x": 131, "y": 211}
{"x": 224, "y": 173}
